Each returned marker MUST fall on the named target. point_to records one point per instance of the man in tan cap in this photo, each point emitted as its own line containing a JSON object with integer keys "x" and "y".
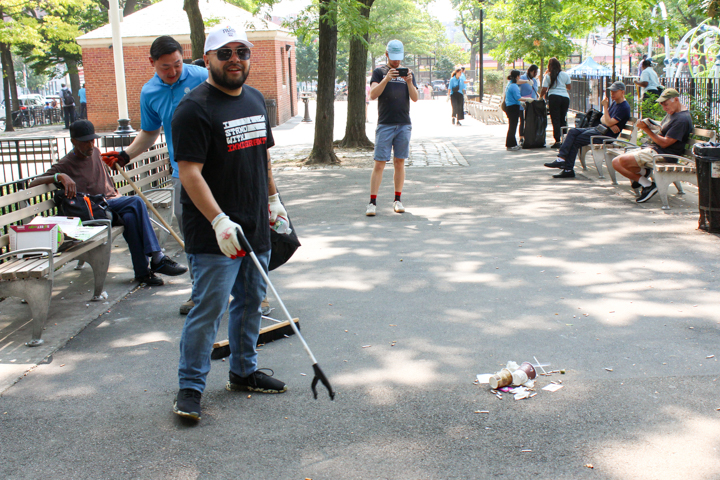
{"x": 675, "y": 130}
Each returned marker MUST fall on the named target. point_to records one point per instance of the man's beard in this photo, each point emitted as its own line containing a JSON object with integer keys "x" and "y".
{"x": 220, "y": 77}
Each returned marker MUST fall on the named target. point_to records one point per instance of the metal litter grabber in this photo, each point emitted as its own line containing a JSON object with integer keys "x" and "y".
{"x": 319, "y": 375}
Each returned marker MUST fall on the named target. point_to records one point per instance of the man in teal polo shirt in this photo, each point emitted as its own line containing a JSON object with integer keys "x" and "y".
{"x": 158, "y": 99}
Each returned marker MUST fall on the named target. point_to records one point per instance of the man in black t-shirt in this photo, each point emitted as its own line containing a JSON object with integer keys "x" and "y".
{"x": 222, "y": 133}
{"x": 392, "y": 136}
{"x": 674, "y": 134}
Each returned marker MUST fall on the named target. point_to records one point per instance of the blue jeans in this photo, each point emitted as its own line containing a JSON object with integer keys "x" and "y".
{"x": 575, "y": 139}
{"x": 216, "y": 278}
{"x": 138, "y": 233}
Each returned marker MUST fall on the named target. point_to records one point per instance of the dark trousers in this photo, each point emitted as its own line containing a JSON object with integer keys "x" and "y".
{"x": 558, "y": 108}
{"x": 138, "y": 233}
{"x": 513, "y": 114}
{"x": 522, "y": 123}
{"x": 69, "y": 114}
{"x": 83, "y": 111}
{"x": 575, "y": 139}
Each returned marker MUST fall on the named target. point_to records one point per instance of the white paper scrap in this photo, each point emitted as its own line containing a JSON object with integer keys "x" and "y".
{"x": 553, "y": 387}
{"x": 484, "y": 377}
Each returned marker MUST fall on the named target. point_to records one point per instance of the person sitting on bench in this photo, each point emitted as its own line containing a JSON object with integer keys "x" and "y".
{"x": 83, "y": 171}
{"x": 615, "y": 116}
{"x": 671, "y": 139}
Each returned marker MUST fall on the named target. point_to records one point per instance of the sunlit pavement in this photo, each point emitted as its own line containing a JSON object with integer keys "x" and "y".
{"x": 491, "y": 262}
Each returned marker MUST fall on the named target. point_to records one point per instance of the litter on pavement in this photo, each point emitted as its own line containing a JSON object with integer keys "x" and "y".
{"x": 519, "y": 380}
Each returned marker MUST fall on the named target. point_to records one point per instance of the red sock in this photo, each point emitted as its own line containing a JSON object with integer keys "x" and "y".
{"x": 373, "y": 199}
{"x": 397, "y": 196}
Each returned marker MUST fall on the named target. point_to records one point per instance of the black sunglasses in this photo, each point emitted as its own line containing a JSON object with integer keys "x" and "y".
{"x": 225, "y": 54}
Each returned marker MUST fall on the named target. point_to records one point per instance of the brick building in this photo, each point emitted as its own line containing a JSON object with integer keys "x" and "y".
{"x": 272, "y": 65}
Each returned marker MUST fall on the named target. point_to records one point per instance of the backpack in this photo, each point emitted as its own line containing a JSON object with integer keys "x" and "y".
{"x": 68, "y": 99}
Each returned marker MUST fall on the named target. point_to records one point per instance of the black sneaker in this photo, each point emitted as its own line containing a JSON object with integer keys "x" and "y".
{"x": 168, "y": 266}
{"x": 647, "y": 193}
{"x": 187, "y": 403}
{"x": 556, "y": 145}
{"x": 555, "y": 164}
{"x": 565, "y": 174}
{"x": 257, "y": 381}
{"x": 150, "y": 280}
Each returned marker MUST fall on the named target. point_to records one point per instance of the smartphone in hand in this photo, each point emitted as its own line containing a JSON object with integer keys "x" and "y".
{"x": 402, "y": 71}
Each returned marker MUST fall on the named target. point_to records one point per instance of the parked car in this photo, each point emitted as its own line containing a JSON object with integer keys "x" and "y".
{"x": 439, "y": 85}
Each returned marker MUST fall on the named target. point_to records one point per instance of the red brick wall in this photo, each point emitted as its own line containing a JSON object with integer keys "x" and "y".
{"x": 265, "y": 74}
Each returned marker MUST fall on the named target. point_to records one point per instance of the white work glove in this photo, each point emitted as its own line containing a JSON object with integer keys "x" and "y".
{"x": 226, "y": 234}
{"x": 276, "y": 208}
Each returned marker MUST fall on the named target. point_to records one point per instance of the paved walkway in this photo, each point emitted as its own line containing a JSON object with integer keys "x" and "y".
{"x": 493, "y": 261}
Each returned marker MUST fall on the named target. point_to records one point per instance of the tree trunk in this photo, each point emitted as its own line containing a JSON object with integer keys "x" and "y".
{"x": 355, "y": 136}
{"x": 322, "y": 151}
{"x": 8, "y": 73}
{"x": 197, "y": 27}
{"x": 129, "y": 7}
{"x": 74, "y": 75}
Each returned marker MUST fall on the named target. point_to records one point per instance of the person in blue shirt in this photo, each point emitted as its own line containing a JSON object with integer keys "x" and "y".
{"x": 528, "y": 88}
{"x": 456, "y": 91}
{"x": 616, "y": 113}
{"x": 83, "y": 103}
{"x": 158, "y": 99}
{"x": 513, "y": 100}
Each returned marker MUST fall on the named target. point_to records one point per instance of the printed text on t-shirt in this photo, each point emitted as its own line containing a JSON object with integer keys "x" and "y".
{"x": 245, "y": 132}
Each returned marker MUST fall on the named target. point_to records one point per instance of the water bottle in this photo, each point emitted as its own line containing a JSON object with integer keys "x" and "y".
{"x": 281, "y": 225}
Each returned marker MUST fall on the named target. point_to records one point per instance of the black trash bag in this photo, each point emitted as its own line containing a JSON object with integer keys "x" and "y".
{"x": 535, "y": 124}
{"x": 283, "y": 245}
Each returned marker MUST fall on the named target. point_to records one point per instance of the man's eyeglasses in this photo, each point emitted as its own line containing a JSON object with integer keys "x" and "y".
{"x": 225, "y": 54}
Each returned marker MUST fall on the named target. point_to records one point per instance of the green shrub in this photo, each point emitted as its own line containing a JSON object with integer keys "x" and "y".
{"x": 493, "y": 82}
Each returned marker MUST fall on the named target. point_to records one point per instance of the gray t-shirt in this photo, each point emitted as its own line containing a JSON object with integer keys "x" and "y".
{"x": 678, "y": 126}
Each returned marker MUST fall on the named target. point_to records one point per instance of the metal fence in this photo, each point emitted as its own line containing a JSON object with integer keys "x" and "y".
{"x": 22, "y": 158}
{"x": 589, "y": 91}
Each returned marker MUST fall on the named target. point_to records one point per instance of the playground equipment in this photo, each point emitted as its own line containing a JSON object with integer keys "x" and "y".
{"x": 687, "y": 58}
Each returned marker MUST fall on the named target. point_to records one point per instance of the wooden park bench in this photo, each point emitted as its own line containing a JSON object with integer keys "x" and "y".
{"x": 628, "y": 136}
{"x": 488, "y": 109}
{"x": 31, "y": 277}
{"x": 669, "y": 169}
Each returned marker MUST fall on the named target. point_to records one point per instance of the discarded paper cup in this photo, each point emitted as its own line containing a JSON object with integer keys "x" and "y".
{"x": 501, "y": 379}
{"x": 528, "y": 368}
{"x": 519, "y": 377}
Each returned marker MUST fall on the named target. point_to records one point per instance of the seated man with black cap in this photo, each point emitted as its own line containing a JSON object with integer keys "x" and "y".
{"x": 82, "y": 170}
{"x": 615, "y": 116}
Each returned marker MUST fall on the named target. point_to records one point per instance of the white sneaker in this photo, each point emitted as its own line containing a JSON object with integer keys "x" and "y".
{"x": 370, "y": 211}
{"x": 398, "y": 207}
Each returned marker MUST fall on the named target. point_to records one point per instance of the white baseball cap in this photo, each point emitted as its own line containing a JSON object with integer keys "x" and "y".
{"x": 222, "y": 34}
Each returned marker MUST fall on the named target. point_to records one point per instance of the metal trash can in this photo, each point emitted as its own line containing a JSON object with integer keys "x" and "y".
{"x": 271, "y": 106}
{"x": 708, "y": 175}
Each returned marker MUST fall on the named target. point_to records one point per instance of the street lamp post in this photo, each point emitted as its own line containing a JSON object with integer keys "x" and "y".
{"x": 124, "y": 127}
